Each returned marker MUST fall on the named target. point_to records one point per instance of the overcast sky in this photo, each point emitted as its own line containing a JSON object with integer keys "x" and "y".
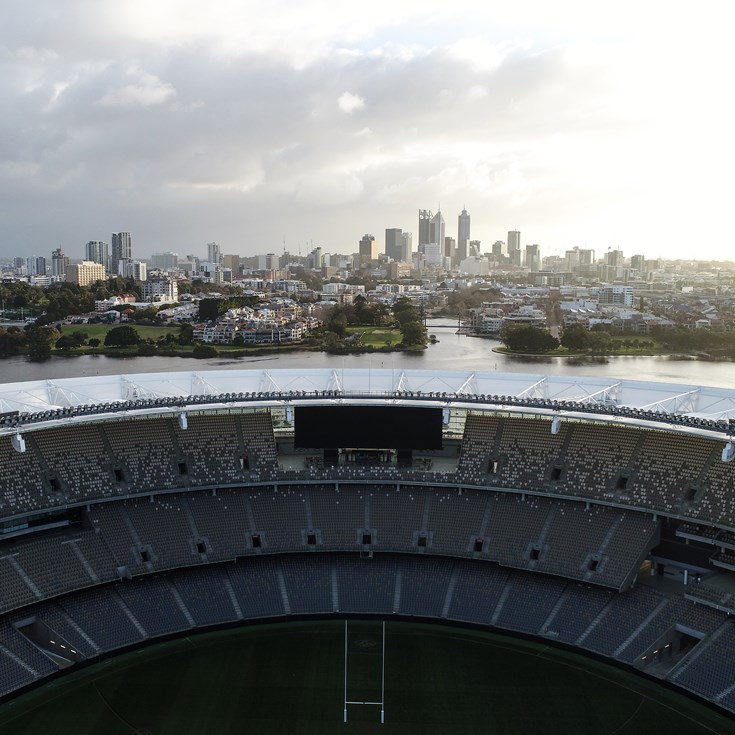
{"x": 313, "y": 121}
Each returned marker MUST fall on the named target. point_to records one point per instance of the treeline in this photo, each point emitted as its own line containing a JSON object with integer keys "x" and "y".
{"x": 213, "y": 308}
{"x": 404, "y": 315}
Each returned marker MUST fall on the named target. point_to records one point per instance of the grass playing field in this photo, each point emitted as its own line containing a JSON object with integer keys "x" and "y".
{"x": 289, "y": 678}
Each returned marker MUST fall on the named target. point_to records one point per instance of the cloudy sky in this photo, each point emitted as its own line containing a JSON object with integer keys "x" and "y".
{"x": 316, "y": 121}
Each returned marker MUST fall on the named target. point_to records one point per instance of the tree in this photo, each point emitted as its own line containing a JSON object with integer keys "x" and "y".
{"x": 12, "y": 341}
{"x": 94, "y": 342}
{"x": 186, "y": 333}
{"x": 576, "y": 337}
{"x": 338, "y": 324}
{"x": 238, "y": 340}
{"x": 413, "y": 334}
{"x": 124, "y": 336}
{"x": 40, "y": 342}
{"x": 525, "y": 338}
{"x": 202, "y": 351}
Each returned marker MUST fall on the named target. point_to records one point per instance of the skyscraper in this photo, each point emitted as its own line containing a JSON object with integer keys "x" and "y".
{"x": 214, "y": 253}
{"x": 450, "y": 247}
{"x": 425, "y": 217}
{"x": 59, "y": 262}
{"x": 394, "y": 243}
{"x": 533, "y": 257}
{"x": 514, "y": 247}
{"x": 97, "y": 251}
{"x": 436, "y": 230}
{"x": 121, "y": 250}
{"x": 463, "y": 234}
{"x": 368, "y": 250}
{"x": 407, "y": 244}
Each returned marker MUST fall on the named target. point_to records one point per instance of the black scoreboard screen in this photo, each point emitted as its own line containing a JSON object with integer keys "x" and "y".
{"x": 367, "y": 427}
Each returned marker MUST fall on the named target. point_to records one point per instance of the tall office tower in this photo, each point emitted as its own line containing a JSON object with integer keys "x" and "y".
{"x": 586, "y": 257}
{"x": 268, "y": 262}
{"x": 368, "y": 249}
{"x": 463, "y": 234}
{"x": 214, "y": 254}
{"x": 571, "y": 260}
{"x": 497, "y": 249}
{"x": 96, "y": 251}
{"x": 425, "y": 217}
{"x": 315, "y": 258}
{"x": 514, "y": 246}
{"x": 394, "y": 243}
{"x": 407, "y": 247}
{"x": 637, "y": 262}
{"x": 121, "y": 249}
{"x": 475, "y": 248}
{"x": 436, "y": 230}
{"x": 36, "y": 265}
{"x": 614, "y": 257}
{"x": 533, "y": 257}
{"x": 59, "y": 262}
{"x": 232, "y": 262}
{"x": 165, "y": 261}
{"x": 450, "y": 247}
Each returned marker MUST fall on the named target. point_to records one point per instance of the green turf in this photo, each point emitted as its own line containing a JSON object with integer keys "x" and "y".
{"x": 289, "y": 678}
{"x": 375, "y": 336}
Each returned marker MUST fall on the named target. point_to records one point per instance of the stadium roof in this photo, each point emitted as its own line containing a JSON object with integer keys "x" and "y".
{"x": 714, "y": 404}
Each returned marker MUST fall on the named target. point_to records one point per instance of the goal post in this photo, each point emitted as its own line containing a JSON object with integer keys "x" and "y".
{"x": 363, "y": 660}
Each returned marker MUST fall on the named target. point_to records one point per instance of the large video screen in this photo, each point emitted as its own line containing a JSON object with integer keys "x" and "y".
{"x": 367, "y": 427}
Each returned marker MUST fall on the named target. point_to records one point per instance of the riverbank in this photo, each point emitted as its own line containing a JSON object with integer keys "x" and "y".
{"x": 452, "y": 352}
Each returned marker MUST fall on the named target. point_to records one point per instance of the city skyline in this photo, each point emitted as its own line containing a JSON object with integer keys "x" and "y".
{"x": 185, "y": 125}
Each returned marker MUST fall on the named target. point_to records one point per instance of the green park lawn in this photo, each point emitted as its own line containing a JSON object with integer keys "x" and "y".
{"x": 375, "y": 336}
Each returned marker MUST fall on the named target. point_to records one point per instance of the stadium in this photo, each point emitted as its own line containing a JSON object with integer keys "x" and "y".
{"x": 591, "y": 517}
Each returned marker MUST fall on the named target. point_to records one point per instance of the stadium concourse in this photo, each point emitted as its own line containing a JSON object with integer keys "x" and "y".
{"x": 597, "y": 515}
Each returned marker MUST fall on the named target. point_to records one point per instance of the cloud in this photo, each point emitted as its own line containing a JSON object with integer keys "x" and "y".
{"x": 147, "y": 91}
{"x": 350, "y": 103}
{"x": 185, "y": 122}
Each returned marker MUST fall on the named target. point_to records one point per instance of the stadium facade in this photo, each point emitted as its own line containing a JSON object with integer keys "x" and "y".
{"x": 595, "y": 514}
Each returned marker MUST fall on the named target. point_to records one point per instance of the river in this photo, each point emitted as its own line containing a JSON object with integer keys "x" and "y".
{"x": 452, "y": 352}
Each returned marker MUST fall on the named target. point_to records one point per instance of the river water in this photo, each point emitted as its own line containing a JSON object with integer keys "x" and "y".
{"x": 452, "y": 352}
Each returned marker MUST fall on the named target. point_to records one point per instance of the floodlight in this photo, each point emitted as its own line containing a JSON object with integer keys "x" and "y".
{"x": 18, "y": 442}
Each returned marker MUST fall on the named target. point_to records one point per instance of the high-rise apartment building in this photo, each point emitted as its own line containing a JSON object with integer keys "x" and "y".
{"x": 36, "y": 265}
{"x": 133, "y": 269}
{"x": 463, "y": 235}
{"x": 97, "y": 251}
{"x": 59, "y": 262}
{"x": 121, "y": 249}
{"x": 394, "y": 243}
{"x": 164, "y": 261}
{"x": 161, "y": 289}
{"x": 85, "y": 273}
{"x": 497, "y": 249}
